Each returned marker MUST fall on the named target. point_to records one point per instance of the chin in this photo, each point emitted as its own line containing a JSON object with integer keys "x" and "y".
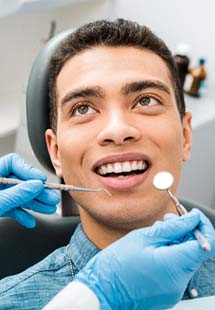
{"x": 122, "y": 218}
{"x": 137, "y": 210}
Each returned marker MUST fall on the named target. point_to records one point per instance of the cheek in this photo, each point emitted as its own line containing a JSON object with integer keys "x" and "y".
{"x": 72, "y": 147}
{"x": 169, "y": 142}
{"x": 70, "y": 150}
{"x": 169, "y": 139}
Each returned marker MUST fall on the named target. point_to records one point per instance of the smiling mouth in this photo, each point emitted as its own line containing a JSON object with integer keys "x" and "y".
{"x": 123, "y": 169}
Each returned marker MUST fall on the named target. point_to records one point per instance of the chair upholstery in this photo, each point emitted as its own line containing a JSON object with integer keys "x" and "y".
{"x": 22, "y": 247}
{"x": 189, "y": 205}
{"x": 37, "y": 100}
{"x": 37, "y": 112}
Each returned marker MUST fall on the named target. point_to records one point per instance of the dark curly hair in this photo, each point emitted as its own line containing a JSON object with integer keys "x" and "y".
{"x": 111, "y": 33}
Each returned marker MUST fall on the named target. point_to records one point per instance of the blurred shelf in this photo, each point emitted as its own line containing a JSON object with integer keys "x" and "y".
{"x": 198, "y": 174}
{"x": 203, "y": 108}
{"x": 9, "y": 116}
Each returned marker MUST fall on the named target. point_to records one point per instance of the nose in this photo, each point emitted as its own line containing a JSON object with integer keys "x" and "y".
{"x": 118, "y": 130}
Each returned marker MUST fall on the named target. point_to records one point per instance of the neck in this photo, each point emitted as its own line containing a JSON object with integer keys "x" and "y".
{"x": 103, "y": 235}
{"x": 98, "y": 233}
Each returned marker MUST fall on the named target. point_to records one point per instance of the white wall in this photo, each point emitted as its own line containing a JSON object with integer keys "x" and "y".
{"x": 175, "y": 21}
{"x": 22, "y": 35}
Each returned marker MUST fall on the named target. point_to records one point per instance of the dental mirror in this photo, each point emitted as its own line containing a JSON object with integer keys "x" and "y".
{"x": 163, "y": 180}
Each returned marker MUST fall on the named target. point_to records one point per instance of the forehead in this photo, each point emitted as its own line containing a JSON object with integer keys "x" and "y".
{"x": 103, "y": 66}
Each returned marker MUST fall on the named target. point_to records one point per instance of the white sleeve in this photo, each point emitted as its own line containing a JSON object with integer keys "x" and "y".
{"x": 75, "y": 296}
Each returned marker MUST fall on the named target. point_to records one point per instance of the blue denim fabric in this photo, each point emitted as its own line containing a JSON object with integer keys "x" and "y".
{"x": 35, "y": 287}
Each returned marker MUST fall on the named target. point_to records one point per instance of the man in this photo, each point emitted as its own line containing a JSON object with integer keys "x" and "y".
{"x": 159, "y": 252}
{"x": 118, "y": 118}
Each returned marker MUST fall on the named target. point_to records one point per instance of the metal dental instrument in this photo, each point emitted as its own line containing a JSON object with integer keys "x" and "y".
{"x": 163, "y": 181}
{"x": 61, "y": 187}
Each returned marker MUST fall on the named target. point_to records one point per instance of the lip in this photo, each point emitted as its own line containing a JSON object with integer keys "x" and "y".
{"x": 127, "y": 183}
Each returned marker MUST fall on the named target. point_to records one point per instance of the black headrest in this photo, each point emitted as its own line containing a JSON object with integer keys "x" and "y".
{"x": 22, "y": 247}
{"x": 37, "y": 100}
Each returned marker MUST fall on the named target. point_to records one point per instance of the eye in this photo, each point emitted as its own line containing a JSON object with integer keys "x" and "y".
{"x": 83, "y": 109}
{"x": 147, "y": 101}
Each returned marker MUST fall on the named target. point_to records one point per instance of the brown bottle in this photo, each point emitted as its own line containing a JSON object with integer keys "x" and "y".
{"x": 195, "y": 79}
{"x": 182, "y": 63}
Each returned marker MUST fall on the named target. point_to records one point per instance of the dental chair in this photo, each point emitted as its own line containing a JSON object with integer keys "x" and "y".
{"x": 20, "y": 247}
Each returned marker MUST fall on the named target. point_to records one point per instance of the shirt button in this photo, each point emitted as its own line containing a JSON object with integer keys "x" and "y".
{"x": 193, "y": 293}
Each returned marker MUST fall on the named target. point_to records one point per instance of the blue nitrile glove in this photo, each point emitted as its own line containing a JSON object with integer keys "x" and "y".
{"x": 149, "y": 268}
{"x": 30, "y": 194}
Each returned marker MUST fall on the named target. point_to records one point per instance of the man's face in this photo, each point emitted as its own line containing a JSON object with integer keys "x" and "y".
{"x": 118, "y": 125}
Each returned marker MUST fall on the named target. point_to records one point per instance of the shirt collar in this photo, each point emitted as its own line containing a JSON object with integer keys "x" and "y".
{"x": 81, "y": 248}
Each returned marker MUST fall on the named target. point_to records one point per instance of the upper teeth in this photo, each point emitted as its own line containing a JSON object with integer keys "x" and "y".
{"x": 125, "y": 166}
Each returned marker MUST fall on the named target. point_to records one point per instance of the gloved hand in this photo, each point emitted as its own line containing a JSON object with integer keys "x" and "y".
{"x": 30, "y": 194}
{"x": 149, "y": 268}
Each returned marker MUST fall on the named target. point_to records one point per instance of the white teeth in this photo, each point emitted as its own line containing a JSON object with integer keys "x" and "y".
{"x": 119, "y": 167}
{"x": 139, "y": 165}
{"x": 110, "y": 168}
{"x": 126, "y": 166}
{"x": 144, "y": 165}
{"x": 100, "y": 171}
{"x": 134, "y": 165}
{"x": 103, "y": 169}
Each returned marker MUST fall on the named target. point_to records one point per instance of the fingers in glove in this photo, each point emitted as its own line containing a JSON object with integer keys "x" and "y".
{"x": 190, "y": 236}
{"x": 22, "y": 217}
{"x": 170, "y": 216}
{"x": 181, "y": 228}
{"x": 19, "y": 195}
{"x": 177, "y": 227}
{"x": 48, "y": 196}
{"x": 37, "y": 206}
{"x": 172, "y": 230}
{"x": 189, "y": 253}
{"x": 13, "y": 164}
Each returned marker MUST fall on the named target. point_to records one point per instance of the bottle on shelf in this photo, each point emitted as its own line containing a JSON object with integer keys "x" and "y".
{"x": 195, "y": 79}
{"x": 182, "y": 61}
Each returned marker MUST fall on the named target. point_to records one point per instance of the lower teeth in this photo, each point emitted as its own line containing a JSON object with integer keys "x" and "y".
{"x": 122, "y": 176}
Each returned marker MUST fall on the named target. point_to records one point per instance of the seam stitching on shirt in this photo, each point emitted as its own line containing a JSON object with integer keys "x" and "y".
{"x": 30, "y": 276}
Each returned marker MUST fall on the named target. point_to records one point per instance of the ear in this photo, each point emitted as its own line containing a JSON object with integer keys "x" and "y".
{"x": 51, "y": 141}
{"x": 187, "y": 135}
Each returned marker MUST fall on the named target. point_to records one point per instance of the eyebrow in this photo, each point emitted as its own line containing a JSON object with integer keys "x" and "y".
{"x": 83, "y": 93}
{"x": 125, "y": 90}
{"x": 141, "y": 85}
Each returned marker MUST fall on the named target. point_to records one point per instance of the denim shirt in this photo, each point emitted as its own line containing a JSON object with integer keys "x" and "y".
{"x": 35, "y": 287}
